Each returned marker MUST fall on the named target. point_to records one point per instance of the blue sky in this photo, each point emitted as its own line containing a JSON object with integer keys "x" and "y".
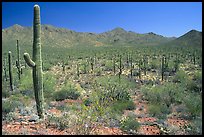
{"x": 164, "y": 18}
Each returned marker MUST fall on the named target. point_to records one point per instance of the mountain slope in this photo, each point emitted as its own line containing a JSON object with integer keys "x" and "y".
{"x": 193, "y": 38}
{"x": 52, "y": 36}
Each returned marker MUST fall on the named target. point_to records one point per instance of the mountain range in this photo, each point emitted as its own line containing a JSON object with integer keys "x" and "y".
{"x": 61, "y": 37}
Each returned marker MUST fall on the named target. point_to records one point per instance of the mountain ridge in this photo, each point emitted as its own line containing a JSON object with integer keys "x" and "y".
{"x": 63, "y": 37}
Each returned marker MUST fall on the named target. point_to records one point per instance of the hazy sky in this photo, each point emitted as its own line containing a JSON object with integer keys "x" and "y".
{"x": 164, "y": 18}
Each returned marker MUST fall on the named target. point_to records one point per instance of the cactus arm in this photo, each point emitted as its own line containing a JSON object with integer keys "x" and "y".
{"x": 28, "y": 60}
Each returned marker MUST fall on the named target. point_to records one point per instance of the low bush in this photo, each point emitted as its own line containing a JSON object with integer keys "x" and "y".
{"x": 67, "y": 92}
{"x": 129, "y": 124}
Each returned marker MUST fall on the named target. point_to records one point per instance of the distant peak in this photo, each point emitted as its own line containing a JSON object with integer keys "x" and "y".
{"x": 152, "y": 33}
{"x": 119, "y": 29}
{"x": 17, "y": 26}
{"x": 193, "y": 31}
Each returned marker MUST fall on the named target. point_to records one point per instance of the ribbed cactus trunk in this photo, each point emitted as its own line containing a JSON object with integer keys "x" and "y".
{"x": 36, "y": 63}
{"x": 114, "y": 64}
{"x": 131, "y": 66}
{"x": 162, "y": 68}
{"x": 4, "y": 68}
{"x": 121, "y": 67}
{"x": 140, "y": 62}
{"x": 18, "y": 65}
{"x": 77, "y": 70}
{"x": 10, "y": 70}
{"x": 92, "y": 64}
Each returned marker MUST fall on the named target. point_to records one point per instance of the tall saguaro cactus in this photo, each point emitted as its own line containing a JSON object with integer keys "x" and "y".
{"x": 36, "y": 63}
{"x": 162, "y": 68}
{"x": 18, "y": 65}
{"x": 4, "y": 69}
{"x": 10, "y": 70}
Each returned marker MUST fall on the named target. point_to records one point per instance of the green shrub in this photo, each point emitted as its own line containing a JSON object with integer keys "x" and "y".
{"x": 181, "y": 77}
{"x": 158, "y": 109}
{"x": 108, "y": 66}
{"x": 193, "y": 103}
{"x": 26, "y": 82}
{"x": 119, "y": 106}
{"x": 192, "y": 86}
{"x": 49, "y": 83}
{"x": 7, "y": 106}
{"x": 129, "y": 124}
{"x": 67, "y": 92}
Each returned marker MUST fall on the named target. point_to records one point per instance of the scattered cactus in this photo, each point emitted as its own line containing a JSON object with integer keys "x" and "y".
{"x": 18, "y": 64}
{"x": 63, "y": 66}
{"x": 92, "y": 64}
{"x": 36, "y": 63}
{"x": 4, "y": 69}
{"x": 162, "y": 68}
{"x": 121, "y": 67}
{"x": 114, "y": 64}
{"x": 145, "y": 61}
{"x": 78, "y": 70}
{"x": 176, "y": 63}
{"x": 140, "y": 63}
{"x": 131, "y": 66}
{"x": 10, "y": 70}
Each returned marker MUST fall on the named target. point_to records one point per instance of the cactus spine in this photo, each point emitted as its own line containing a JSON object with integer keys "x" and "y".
{"x": 10, "y": 70}
{"x": 36, "y": 63}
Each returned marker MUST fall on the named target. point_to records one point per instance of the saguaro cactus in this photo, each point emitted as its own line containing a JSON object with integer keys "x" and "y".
{"x": 36, "y": 63}
{"x": 114, "y": 64}
{"x": 92, "y": 64}
{"x": 4, "y": 69}
{"x": 121, "y": 67}
{"x": 18, "y": 64}
{"x": 162, "y": 68}
{"x": 10, "y": 70}
{"x": 77, "y": 70}
{"x": 140, "y": 63}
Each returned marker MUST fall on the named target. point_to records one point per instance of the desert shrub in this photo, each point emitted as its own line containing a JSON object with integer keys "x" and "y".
{"x": 49, "y": 82}
{"x": 18, "y": 97}
{"x": 129, "y": 124}
{"x": 192, "y": 86}
{"x": 7, "y": 106}
{"x": 158, "y": 109}
{"x": 108, "y": 66}
{"x": 154, "y": 64}
{"x": 46, "y": 66}
{"x": 67, "y": 92}
{"x": 26, "y": 83}
{"x": 10, "y": 105}
{"x": 167, "y": 93}
{"x": 195, "y": 128}
{"x": 119, "y": 106}
{"x": 5, "y": 90}
{"x": 193, "y": 103}
{"x": 97, "y": 71}
{"x": 181, "y": 77}
{"x": 105, "y": 81}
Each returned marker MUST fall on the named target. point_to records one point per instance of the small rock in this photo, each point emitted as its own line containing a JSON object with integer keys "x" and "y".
{"x": 24, "y": 123}
{"x": 33, "y": 118}
{"x": 20, "y": 119}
